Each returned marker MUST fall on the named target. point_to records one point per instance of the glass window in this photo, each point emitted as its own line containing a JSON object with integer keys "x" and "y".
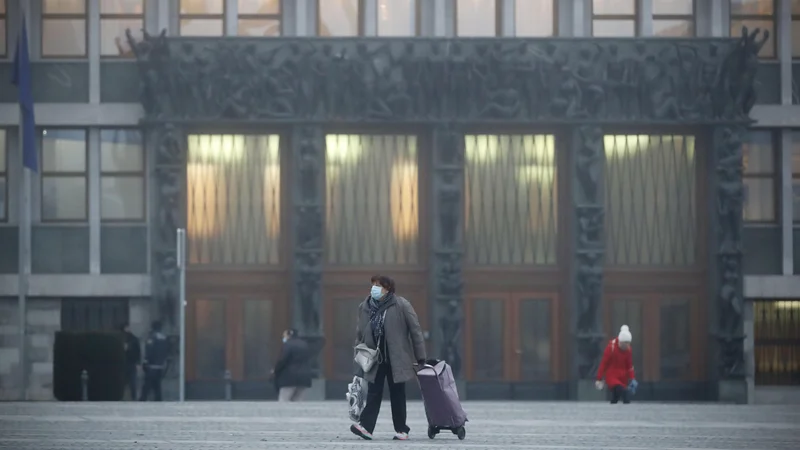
{"x": 487, "y": 340}
{"x": 233, "y": 199}
{"x": 338, "y": 18}
{"x": 260, "y": 18}
{"x": 651, "y": 200}
{"x": 202, "y": 17}
{"x": 759, "y": 176}
{"x": 510, "y": 203}
{"x": 534, "y": 321}
{"x": 122, "y": 175}
{"x": 259, "y": 338}
{"x": 210, "y": 357}
{"x": 372, "y": 197}
{"x": 64, "y": 28}
{"x": 3, "y": 28}
{"x": 535, "y": 18}
{"x": 796, "y": 175}
{"x": 64, "y": 186}
{"x": 116, "y": 16}
{"x": 755, "y": 14}
{"x": 675, "y": 340}
{"x": 673, "y": 18}
{"x": 3, "y": 176}
{"x": 614, "y": 18}
{"x": 476, "y": 18}
{"x": 397, "y": 17}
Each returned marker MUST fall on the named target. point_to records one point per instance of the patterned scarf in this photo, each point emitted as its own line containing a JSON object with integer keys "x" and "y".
{"x": 376, "y": 315}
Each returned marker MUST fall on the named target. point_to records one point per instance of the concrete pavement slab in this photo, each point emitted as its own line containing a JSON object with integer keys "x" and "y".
{"x": 324, "y": 425}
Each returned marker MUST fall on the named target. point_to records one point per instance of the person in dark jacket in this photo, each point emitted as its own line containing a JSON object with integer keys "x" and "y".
{"x": 133, "y": 358}
{"x": 390, "y": 321}
{"x": 156, "y": 351}
{"x": 293, "y": 370}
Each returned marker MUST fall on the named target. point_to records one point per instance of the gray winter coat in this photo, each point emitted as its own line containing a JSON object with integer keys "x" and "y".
{"x": 404, "y": 339}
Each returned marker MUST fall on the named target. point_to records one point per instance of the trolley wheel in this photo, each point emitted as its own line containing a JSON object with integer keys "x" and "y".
{"x": 432, "y": 432}
{"x": 462, "y": 433}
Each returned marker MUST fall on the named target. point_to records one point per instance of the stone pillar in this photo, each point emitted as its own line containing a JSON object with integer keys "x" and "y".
{"x": 727, "y": 305}
{"x": 588, "y": 202}
{"x": 308, "y": 217}
{"x": 448, "y": 247}
{"x": 166, "y": 144}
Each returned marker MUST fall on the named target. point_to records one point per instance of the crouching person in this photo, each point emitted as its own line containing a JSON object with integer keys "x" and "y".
{"x": 617, "y": 368}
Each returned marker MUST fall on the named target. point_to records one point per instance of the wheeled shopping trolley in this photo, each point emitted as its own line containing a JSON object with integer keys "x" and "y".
{"x": 440, "y": 396}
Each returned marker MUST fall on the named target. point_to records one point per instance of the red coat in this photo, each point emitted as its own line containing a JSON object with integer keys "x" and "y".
{"x": 617, "y": 365}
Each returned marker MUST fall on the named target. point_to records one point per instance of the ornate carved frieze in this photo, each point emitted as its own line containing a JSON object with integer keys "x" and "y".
{"x": 588, "y": 158}
{"x": 169, "y": 164}
{"x": 423, "y": 80}
{"x": 448, "y": 197}
{"x": 729, "y": 198}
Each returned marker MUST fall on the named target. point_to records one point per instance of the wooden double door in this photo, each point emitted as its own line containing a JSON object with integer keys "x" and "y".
{"x": 236, "y": 329}
{"x": 512, "y": 337}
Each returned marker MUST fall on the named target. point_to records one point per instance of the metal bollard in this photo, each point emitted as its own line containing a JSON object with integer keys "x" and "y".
{"x": 85, "y": 386}
{"x": 228, "y": 386}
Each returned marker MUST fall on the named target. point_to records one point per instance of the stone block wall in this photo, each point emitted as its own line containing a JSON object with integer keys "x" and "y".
{"x": 43, "y": 320}
{"x": 9, "y": 350}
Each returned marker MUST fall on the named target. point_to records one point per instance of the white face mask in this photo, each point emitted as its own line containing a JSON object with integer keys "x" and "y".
{"x": 285, "y": 339}
{"x": 376, "y": 292}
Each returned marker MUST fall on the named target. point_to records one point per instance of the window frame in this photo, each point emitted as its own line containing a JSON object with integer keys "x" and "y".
{"x": 795, "y": 22}
{"x": 222, "y": 17}
{"x": 4, "y": 174}
{"x": 361, "y": 19}
{"x": 692, "y": 18}
{"x": 119, "y": 16}
{"x": 795, "y": 178}
{"x": 44, "y": 16}
{"x": 635, "y": 17}
{"x": 417, "y": 20}
{"x": 277, "y": 17}
{"x": 773, "y": 177}
{"x": 45, "y": 173}
{"x": 498, "y": 21}
{"x": 556, "y": 31}
{"x": 773, "y": 18}
{"x": 141, "y": 174}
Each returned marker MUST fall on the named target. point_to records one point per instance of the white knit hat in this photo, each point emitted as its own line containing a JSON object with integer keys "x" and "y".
{"x": 625, "y": 334}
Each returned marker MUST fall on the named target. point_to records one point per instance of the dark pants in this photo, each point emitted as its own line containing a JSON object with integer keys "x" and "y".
{"x": 130, "y": 379}
{"x": 397, "y": 395}
{"x": 620, "y": 392}
{"x": 152, "y": 382}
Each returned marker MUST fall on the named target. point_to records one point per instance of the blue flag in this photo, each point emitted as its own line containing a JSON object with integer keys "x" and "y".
{"x": 22, "y": 79}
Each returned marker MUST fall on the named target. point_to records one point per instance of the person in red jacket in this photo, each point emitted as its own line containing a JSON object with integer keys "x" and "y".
{"x": 617, "y": 367}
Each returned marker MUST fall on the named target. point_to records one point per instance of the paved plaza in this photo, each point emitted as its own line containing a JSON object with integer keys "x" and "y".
{"x": 324, "y": 425}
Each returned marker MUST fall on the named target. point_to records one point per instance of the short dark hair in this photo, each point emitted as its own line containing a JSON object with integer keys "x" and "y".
{"x": 386, "y": 283}
{"x": 156, "y": 325}
{"x": 375, "y": 279}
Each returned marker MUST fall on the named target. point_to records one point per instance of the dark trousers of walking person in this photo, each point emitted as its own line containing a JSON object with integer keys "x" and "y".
{"x": 130, "y": 379}
{"x": 620, "y": 393}
{"x": 152, "y": 382}
{"x": 397, "y": 395}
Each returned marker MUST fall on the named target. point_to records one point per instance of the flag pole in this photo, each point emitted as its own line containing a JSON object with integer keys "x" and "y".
{"x": 22, "y": 284}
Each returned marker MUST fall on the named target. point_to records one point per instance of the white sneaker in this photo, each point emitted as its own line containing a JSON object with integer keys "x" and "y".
{"x": 360, "y": 431}
{"x": 401, "y": 436}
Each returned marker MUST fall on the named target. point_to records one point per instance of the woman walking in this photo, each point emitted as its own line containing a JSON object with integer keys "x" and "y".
{"x": 388, "y": 323}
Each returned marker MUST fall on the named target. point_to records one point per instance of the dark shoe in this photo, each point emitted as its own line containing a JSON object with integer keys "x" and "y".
{"x": 360, "y": 431}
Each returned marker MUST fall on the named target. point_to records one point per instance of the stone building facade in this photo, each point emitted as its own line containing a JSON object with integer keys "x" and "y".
{"x": 529, "y": 186}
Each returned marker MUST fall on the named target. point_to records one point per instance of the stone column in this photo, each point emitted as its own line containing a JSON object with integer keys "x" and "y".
{"x": 166, "y": 145}
{"x": 588, "y": 201}
{"x": 726, "y": 308}
{"x": 448, "y": 246}
{"x": 308, "y": 217}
